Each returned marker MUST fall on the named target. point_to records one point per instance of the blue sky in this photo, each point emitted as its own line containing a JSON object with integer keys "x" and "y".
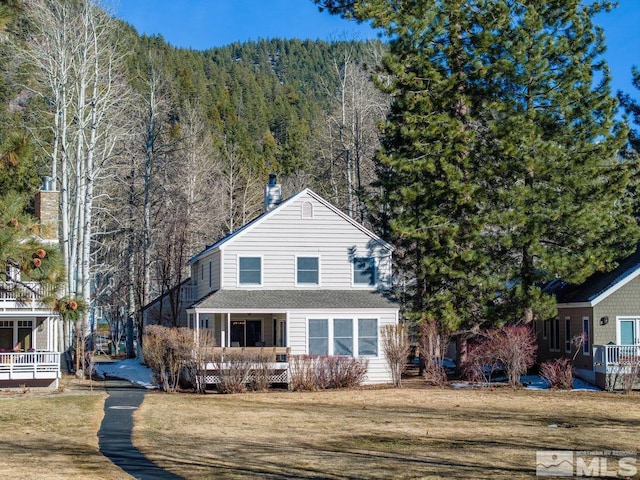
{"x": 201, "y": 24}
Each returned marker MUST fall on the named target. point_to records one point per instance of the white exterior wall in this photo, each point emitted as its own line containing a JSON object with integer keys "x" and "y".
{"x": 284, "y": 235}
{"x": 202, "y": 276}
{"x": 378, "y": 371}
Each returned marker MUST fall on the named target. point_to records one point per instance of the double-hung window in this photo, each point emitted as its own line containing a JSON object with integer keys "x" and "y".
{"x": 343, "y": 336}
{"x": 364, "y": 271}
{"x": 250, "y": 271}
{"x": 307, "y": 271}
{"x": 318, "y": 336}
{"x": 368, "y": 337}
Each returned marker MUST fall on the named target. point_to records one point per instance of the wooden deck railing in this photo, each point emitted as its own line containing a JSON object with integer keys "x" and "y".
{"x": 28, "y": 298}
{"x": 609, "y": 357}
{"x": 280, "y": 354}
{"x": 29, "y": 365}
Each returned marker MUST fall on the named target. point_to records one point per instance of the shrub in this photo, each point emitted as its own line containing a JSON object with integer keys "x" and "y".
{"x": 310, "y": 373}
{"x": 169, "y": 352}
{"x": 233, "y": 370}
{"x": 196, "y": 362}
{"x": 558, "y": 373}
{"x": 260, "y": 375}
{"x": 396, "y": 347}
{"x": 510, "y": 348}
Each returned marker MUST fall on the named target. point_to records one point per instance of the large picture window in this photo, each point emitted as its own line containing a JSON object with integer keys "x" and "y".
{"x": 308, "y": 271}
{"x": 364, "y": 271}
{"x": 250, "y": 271}
{"x": 343, "y": 336}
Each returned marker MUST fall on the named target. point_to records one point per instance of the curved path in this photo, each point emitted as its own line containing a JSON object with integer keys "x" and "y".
{"x": 114, "y": 436}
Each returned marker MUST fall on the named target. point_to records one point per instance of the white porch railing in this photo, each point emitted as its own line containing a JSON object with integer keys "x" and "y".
{"x": 29, "y": 365}
{"x": 611, "y": 358}
{"x": 29, "y": 298}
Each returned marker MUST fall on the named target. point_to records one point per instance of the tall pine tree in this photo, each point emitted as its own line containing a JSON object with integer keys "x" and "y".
{"x": 500, "y": 166}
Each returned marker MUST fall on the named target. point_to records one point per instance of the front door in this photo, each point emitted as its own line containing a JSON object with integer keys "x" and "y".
{"x": 629, "y": 331}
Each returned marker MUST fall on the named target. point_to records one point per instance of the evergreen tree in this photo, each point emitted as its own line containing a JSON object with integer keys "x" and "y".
{"x": 632, "y": 109}
{"x": 30, "y": 266}
{"x": 499, "y": 164}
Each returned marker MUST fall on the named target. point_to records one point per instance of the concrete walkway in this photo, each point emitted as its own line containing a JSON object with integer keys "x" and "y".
{"x": 114, "y": 436}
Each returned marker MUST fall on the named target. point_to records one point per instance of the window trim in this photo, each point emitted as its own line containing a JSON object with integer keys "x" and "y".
{"x": 375, "y": 272}
{"x": 239, "y": 283}
{"x": 307, "y": 285}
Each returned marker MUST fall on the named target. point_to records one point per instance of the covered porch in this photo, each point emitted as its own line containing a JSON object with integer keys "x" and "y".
{"x": 38, "y": 369}
{"x": 617, "y": 365}
{"x": 28, "y": 342}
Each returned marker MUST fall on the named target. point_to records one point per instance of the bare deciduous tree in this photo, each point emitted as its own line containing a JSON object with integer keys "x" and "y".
{"x": 396, "y": 347}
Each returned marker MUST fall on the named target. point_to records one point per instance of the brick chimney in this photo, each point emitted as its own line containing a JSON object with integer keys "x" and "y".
{"x": 272, "y": 194}
{"x": 46, "y": 209}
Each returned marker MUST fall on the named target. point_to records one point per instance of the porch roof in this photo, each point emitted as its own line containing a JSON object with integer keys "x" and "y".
{"x": 294, "y": 300}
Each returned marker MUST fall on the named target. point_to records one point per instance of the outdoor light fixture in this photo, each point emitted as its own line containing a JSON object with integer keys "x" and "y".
{"x": 604, "y": 320}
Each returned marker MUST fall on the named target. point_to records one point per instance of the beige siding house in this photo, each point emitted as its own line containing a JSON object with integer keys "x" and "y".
{"x": 303, "y": 277}
{"x": 605, "y": 310}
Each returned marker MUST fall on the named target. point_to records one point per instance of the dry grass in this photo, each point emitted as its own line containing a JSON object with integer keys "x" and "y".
{"x": 385, "y": 433}
{"x": 53, "y": 436}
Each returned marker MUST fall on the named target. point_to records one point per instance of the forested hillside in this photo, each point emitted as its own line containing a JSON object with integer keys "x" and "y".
{"x": 491, "y": 135}
{"x": 159, "y": 150}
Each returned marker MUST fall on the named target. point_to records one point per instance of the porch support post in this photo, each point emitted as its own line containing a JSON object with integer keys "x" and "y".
{"x": 197, "y": 326}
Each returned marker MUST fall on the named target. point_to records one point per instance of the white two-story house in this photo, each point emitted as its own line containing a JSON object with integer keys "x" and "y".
{"x": 302, "y": 275}
{"x": 29, "y": 354}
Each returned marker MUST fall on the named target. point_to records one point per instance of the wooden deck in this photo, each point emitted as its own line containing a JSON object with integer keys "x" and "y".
{"x": 249, "y": 362}
{"x": 29, "y": 366}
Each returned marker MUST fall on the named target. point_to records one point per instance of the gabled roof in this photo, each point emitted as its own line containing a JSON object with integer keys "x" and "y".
{"x": 283, "y": 300}
{"x": 598, "y": 286}
{"x": 261, "y": 218}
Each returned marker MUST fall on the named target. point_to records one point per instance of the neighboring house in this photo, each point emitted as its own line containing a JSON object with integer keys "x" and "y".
{"x": 302, "y": 276}
{"x": 605, "y": 310}
{"x": 29, "y": 330}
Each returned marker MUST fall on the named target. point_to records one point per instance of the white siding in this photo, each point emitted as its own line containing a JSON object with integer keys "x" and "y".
{"x": 378, "y": 371}
{"x": 284, "y": 234}
{"x": 202, "y": 275}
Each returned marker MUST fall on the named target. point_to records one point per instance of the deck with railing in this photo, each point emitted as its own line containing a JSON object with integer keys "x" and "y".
{"x": 29, "y": 365}
{"x": 28, "y": 298}
{"x": 614, "y": 358}
{"x": 273, "y": 362}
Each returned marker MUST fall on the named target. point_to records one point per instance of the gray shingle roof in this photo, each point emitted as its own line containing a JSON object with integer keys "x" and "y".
{"x": 596, "y": 284}
{"x": 295, "y": 299}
